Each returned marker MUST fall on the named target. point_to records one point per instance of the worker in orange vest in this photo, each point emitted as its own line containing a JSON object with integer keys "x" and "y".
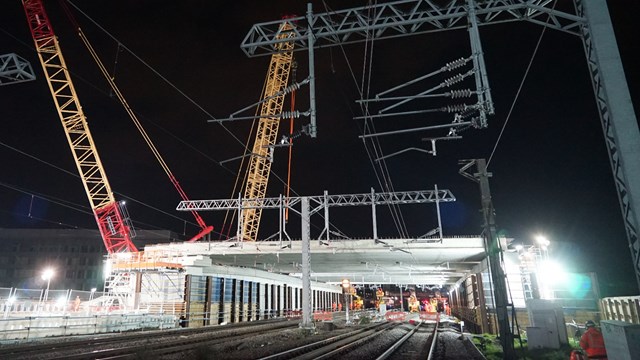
{"x": 592, "y": 342}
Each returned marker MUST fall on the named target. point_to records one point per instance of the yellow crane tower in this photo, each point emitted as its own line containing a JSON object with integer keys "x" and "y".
{"x": 261, "y": 154}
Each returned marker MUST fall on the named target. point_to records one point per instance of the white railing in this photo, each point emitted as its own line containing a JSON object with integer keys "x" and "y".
{"x": 624, "y": 308}
{"x": 17, "y": 330}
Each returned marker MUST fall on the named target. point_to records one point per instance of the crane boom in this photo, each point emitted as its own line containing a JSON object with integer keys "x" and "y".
{"x": 112, "y": 224}
{"x": 204, "y": 228}
{"x": 260, "y": 161}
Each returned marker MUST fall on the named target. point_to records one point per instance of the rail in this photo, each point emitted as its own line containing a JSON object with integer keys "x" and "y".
{"x": 399, "y": 343}
{"x": 434, "y": 341}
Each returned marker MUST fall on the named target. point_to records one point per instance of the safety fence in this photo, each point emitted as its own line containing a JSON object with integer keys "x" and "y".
{"x": 625, "y": 309}
{"x": 16, "y": 330}
{"x": 15, "y": 302}
{"x": 197, "y": 319}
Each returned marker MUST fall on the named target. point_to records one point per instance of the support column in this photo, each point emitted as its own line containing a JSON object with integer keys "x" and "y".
{"x": 494, "y": 254}
{"x": 438, "y": 213}
{"x": 312, "y": 76}
{"x": 619, "y": 122}
{"x": 307, "y": 319}
{"x": 374, "y": 219}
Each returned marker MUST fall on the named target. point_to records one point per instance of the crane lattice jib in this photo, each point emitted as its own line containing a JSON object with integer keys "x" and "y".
{"x": 115, "y": 233}
{"x": 267, "y": 132}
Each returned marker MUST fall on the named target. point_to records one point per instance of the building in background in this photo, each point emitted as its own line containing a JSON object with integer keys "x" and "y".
{"x": 75, "y": 256}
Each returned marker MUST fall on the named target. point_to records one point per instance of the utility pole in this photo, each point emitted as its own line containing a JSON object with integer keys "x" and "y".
{"x": 494, "y": 253}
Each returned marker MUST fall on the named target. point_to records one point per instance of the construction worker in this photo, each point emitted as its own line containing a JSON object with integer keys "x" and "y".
{"x": 592, "y": 342}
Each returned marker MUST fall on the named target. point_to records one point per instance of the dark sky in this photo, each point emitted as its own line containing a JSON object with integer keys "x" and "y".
{"x": 551, "y": 172}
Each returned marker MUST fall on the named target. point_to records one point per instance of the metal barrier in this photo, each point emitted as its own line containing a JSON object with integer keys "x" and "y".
{"x": 625, "y": 309}
{"x": 30, "y": 328}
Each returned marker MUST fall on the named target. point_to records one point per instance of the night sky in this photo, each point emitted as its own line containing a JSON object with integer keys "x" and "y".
{"x": 551, "y": 173}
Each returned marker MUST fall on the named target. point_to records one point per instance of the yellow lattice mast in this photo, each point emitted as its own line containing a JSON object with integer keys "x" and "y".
{"x": 267, "y": 132}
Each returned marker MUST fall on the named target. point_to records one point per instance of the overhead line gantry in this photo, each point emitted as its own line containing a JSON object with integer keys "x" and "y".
{"x": 590, "y": 21}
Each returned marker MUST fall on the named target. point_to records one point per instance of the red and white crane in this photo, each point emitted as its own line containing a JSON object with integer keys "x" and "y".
{"x": 111, "y": 218}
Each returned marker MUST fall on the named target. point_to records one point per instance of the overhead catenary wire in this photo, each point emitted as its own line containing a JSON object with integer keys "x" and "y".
{"x": 164, "y": 79}
{"x": 382, "y": 176}
{"x": 524, "y": 78}
{"x": 27, "y": 45}
{"x": 61, "y": 201}
{"x": 122, "y": 46}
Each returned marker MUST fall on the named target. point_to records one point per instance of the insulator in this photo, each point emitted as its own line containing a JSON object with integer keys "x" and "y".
{"x": 290, "y": 114}
{"x": 455, "y": 64}
{"x": 453, "y": 80}
{"x": 294, "y": 86}
{"x": 290, "y": 88}
{"x": 455, "y": 94}
{"x": 294, "y": 71}
{"x": 455, "y": 108}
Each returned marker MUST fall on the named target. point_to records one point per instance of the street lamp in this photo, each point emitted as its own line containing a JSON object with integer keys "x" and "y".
{"x": 47, "y": 275}
{"x": 544, "y": 244}
{"x": 346, "y": 284}
{"x": 8, "y": 304}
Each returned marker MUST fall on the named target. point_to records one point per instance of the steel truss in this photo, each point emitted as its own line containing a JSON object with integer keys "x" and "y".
{"x": 402, "y": 18}
{"x": 313, "y": 204}
{"x": 14, "y": 69}
{"x": 403, "y": 197}
{"x": 588, "y": 19}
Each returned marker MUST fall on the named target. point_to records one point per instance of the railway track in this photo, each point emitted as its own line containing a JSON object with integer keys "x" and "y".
{"x": 334, "y": 346}
{"x": 268, "y": 340}
{"x": 150, "y": 343}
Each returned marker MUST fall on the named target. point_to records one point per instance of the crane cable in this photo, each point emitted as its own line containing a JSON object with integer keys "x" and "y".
{"x": 517, "y": 96}
{"x": 381, "y": 170}
{"x": 374, "y": 150}
{"x": 205, "y": 229}
{"x": 294, "y": 71}
{"x": 240, "y": 167}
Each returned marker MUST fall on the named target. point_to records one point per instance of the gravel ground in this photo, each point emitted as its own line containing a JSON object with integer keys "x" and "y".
{"x": 376, "y": 347}
{"x": 415, "y": 346}
{"x": 258, "y": 346}
{"x": 452, "y": 346}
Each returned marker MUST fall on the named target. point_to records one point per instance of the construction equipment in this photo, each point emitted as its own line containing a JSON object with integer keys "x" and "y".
{"x": 262, "y": 152}
{"x": 110, "y": 215}
{"x": 204, "y": 228}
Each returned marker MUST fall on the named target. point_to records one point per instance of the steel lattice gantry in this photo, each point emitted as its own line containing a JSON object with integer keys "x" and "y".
{"x": 588, "y": 19}
{"x": 319, "y": 203}
{"x": 402, "y": 197}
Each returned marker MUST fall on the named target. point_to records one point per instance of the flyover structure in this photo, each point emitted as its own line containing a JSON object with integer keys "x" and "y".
{"x": 431, "y": 261}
